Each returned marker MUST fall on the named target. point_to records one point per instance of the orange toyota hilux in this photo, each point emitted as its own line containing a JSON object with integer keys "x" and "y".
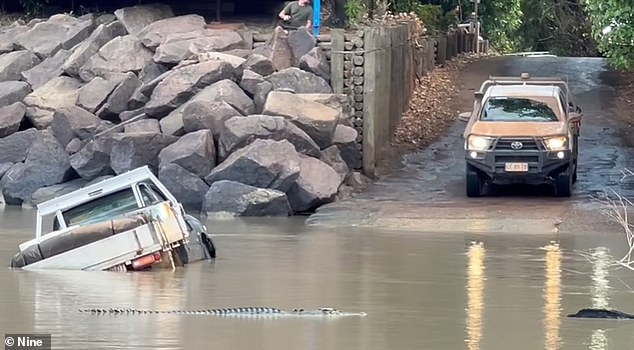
{"x": 522, "y": 130}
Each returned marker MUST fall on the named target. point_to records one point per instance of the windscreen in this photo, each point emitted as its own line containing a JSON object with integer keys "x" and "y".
{"x": 518, "y": 109}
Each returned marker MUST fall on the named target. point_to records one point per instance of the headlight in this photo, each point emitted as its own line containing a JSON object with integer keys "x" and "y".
{"x": 479, "y": 143}
{"x": 556, "y": 143}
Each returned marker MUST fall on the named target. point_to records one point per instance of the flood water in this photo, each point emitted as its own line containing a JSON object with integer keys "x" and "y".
{"x": 420, "y": 291}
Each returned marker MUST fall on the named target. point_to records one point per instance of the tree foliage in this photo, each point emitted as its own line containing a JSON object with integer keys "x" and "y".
{"x": 613, "y": 29}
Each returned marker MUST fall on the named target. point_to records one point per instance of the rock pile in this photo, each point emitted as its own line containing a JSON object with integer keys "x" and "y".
{"x": 225, "y": 127}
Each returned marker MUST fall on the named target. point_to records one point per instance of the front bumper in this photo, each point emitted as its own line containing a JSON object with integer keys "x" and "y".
{"x": 542, "y": 166}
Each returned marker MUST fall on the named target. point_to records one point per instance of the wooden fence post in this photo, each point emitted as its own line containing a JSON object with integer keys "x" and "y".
{"x": 370, "y": 83}
{"x": 336, "y": 60}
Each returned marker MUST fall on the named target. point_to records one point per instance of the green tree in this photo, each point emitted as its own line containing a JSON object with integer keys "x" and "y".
{"x": 613, "y": 28}
{"x": 501, "y": 20}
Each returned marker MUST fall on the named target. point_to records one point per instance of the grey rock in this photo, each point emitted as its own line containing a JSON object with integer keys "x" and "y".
{"x": 260, "y": 95}
{"x": 46, "y": 164}
{"x": 184, "y": 46}
{"x": 74, "y": 146}
{"x": 195, "y": 152}
{"x": 155, "y": 33}
{"x": 60, "y": 31}
{"x": 70, "y": 122}
{"x": 188, "y": 188}
{"x": 317, "y": 120}
{"x": 93, "y": 160}
{"x": 316, "y": 184}
{"x": 120, "y": 55}
{"x": 11, "y": 117}
{"x": 241, "y": 131}
{"x": 118, "y": 100}
{"x": 332, "y": 157}
{"x": 239, "y": 199}
{"x": 4, "y": 168}
{"x": 244, "y": 53}
{"x": 15, "y": 147}
{"x": 12, "y": 64}
{"x": 89, "y": 47}
{"x": 277, "y": 50}
{"x": 136, "y": 101}
{"x": 143, "y": 125}
{"x": 152, "y": 71}
{"x": 316, "y": 62}
{"x": 11, "y": 176}
{"x": 95, "y": 93}
{"x": 59, "y": 92}
{"x": 132, "y": 150}
{"x": 301, "y": 42}
{"x": 135, "y": 18}
{"x": 127, "y": 115}
{"x": 340, "y": 102}
{"x": 8, "y": 35}
{"x": 299, "y": 81}
{"x": 263, "y": 163}
{"x": 107, "y": 18}
{"x": 234, "y": 61}
{"x": 13, "y": 91}
{"x": 199, "y": 115}
{"x": 48, "y": 69}
{"x": 259, "y": 64}
{"x": 183, "y": 83}
{"x": 250, "y": 81}
{"x": 345, "y": 138}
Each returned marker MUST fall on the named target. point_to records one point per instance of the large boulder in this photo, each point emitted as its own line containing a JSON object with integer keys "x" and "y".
{"x": 56, "y": 93}
{"x": 345, "y": 139}
{"x": 120, "y": 55}
{"x": 316, "y": 184}
{"x": 317, "y": 120}
{"x": 95, "y": 93}
{"x": 49, "y": 192}
{"x": 156, "y": 33}
{"x": 341, "y": 102}
{"x": 12, "y": 64}
{"x": 332, "y": 157}
{"x": 15, "y": 147}
{"x": 132, "y": 150}
{"x": 117, "y": 101}
{"x": 8, "y": 35}
{"x": 233, "y": 60}
{"x": 143, "y": 125}
{"x": 11, "y": 117}
{"x": 89, "y": 47}
{"x": 135, "y": 18}
{"x": 301, "y": 42}
{"x": 199, "y": 115}
{"x": 93, "y": 160}
{"x": 48, "y": 69}
{"x": 225, "y": 90}
{"x": 182, "y": 46}
{"x": 241, "y": 131}
{"x": 239, "y": 199}
{"x": 70, "y": 122}
{"x": 4, "y": 168}
{"x": 260, "y": 95}
{"x": 259, "y": 64}
{"x": 299, "y": 81}
{"x": 61, "y": 31}
{"x": 262, "y": 163}
{"x": 277, "y": 50}
{"x": 188, "y": 188}
{"x": 195, "y": 151}
{"x": 250, "y": 80}
{"x": 46, "y": 164}
{"x": 316, "y": 62}
{"x": 13, "y": 91}
{"x": 181, "y": 84}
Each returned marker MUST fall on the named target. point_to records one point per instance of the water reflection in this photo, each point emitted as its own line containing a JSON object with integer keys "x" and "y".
{"x": 600, "y": 293}
{"x": 552, "y": 296}
{"x": 475, "y": 291}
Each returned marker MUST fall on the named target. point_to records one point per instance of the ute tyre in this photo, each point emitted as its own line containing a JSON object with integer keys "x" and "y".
{"x": 574, "y": 174}
{"x": 473, "y": 182}
{"x": 563, "y": 185}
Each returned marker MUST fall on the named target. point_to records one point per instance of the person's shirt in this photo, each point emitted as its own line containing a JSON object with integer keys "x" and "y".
{"x": 300, "y": 15}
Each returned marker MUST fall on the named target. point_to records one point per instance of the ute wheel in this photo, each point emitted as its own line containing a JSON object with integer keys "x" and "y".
{"x": 563, "y": 185}
{"x": 474, "y": 182}
{"x": 574, "y": 174}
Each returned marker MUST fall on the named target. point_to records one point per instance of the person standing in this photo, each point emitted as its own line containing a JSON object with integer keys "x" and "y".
{"x": 297, "y": 14}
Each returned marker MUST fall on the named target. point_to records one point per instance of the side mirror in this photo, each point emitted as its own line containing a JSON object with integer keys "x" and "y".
{"x": 464, "y": 116}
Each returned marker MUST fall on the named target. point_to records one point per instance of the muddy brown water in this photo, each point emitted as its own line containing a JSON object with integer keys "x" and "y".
{"x": 431, "y": 269}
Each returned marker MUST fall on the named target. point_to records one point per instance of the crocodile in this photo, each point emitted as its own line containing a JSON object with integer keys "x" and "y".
{"x": 601, "y": 313}
{"x": 234, "y": 311}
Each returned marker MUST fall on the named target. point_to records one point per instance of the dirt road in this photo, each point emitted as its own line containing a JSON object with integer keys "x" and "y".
{"x": 427, "y": 193}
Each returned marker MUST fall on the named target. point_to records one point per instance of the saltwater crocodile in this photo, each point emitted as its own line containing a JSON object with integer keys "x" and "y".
{"x": 602, "y": 313}
{"x": 234, "y": 311}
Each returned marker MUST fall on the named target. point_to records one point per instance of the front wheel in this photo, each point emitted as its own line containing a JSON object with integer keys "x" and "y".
{"x": 563, "y": 184}
{"x": 474, "y": 182}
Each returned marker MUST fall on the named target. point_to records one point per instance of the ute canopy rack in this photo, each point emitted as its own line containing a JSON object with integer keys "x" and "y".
{"x": 523, "y": 79}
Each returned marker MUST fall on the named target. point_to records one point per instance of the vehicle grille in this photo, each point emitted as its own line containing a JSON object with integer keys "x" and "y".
{"x": 516, "y": 159}
{"x": 527, "y": 144}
